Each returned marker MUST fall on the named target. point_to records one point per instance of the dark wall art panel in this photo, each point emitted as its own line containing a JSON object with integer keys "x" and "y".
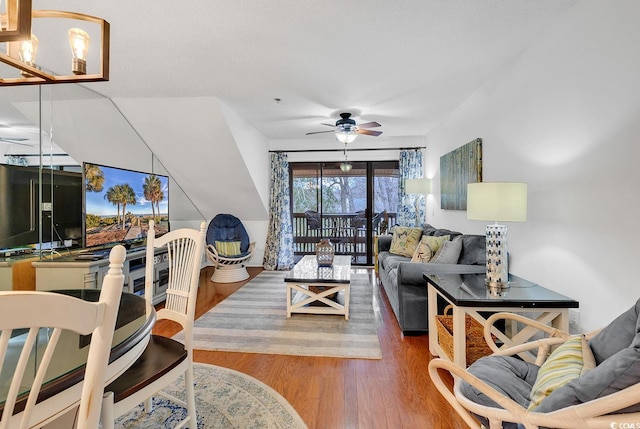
{"x": 458, "y": 168}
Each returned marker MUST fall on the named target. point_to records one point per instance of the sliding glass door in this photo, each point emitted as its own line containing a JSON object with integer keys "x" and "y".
{"x": 347, "y": 207}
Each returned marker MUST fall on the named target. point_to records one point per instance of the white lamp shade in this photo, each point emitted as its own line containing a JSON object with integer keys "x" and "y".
{"x": 418, "y": 186}
{"x": 497, "y": 201}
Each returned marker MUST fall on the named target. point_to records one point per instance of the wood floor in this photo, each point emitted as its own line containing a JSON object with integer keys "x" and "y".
{"x": 395, "y": 392}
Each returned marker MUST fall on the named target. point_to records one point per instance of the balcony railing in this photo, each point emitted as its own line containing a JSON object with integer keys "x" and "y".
{"x": 347, "y": 235}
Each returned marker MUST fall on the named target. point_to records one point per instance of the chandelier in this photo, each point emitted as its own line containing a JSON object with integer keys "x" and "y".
{"x": 16, "y": 19}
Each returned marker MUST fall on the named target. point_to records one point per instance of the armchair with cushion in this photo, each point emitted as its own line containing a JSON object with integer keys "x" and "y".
{"x": 228, "y": 248}
{"x": 557, "y": 381}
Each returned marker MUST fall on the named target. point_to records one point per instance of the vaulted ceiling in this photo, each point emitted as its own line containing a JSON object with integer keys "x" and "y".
{"x": 180, "y": 68}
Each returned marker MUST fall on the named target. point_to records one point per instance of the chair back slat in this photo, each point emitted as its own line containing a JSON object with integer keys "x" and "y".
{"x": 185, "y": 249}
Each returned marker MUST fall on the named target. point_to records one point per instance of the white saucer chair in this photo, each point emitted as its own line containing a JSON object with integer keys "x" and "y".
{"x": 228, "y": 248}
{"x": 559, "y": 381}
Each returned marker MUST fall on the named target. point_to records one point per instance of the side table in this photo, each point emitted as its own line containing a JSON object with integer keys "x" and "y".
{"x": 469, "y": 296}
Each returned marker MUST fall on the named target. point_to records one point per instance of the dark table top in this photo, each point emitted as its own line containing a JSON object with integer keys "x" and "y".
{"x": 469, "y": 290}
{"x": 307, "y": 271}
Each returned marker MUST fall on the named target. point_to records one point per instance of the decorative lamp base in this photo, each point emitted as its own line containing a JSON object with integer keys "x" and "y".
{"x": 497, "y": 262}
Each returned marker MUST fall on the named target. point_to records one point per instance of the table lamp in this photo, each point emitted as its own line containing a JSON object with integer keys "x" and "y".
{"x": 499, "y": 202}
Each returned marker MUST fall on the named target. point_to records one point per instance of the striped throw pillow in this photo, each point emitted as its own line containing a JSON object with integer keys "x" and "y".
{"x": 228, "y": 248}
{"x": 570, "y": 360}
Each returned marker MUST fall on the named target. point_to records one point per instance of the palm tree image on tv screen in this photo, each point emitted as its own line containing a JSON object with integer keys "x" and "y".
{"x": 119, "y": 203}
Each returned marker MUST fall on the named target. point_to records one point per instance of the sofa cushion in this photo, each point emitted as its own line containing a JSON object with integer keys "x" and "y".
{"x": 428, "y": 229}
{"x": 449, "y": 252}
{"x": 388, "y": 261}
{"x": 617, "y": 335}
{"x": 428, "y": 247}
{"x": 570, "y": 360}
{"x": 405, "y": 240}
{"x": 473, "y": 250}
{"x": 442, "y": 232}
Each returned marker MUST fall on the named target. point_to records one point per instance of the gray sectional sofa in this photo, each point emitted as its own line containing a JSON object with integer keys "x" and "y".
{"x": 403, "y": 282}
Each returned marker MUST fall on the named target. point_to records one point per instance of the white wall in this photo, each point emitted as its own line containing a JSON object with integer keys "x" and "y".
{"x": 563, "y": 117}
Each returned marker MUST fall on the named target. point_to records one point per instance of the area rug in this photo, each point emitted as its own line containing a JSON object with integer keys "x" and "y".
{"x": 224, "y": 399}
{"x": 254, "y": 320}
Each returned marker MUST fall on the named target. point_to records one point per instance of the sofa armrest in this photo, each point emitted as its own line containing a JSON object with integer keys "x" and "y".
{"x": 410, "y": 273}
{"x": 384, "y": 243}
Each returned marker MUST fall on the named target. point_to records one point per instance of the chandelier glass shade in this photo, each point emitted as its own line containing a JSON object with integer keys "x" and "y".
{"x": 21, "y": 53}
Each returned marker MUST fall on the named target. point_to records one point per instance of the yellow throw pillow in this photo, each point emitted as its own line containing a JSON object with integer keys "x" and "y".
{"x": 405, "y": 240}
{"x": 428, "y": 247}
{"x": 570, "y": 360}
{"x": 228, "y": 248}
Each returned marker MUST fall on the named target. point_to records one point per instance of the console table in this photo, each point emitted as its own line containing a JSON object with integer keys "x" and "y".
{"x": 70, "y": 272}
{"x": 469, "y": 296}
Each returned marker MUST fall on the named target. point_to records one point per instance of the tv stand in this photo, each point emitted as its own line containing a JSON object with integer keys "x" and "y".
{"x": 69, "y": 272}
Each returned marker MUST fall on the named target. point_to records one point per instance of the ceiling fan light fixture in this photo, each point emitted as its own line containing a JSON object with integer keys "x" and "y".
{"x": 346, "y": 136}
{"x": 346, "y": 167}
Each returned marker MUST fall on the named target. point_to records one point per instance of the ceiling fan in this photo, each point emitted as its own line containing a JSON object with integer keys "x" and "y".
{"x": 346, "y": 129}
{"x": 15, "y": 140}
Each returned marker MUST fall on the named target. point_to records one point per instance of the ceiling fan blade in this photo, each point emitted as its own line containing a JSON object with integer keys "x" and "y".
{"x": 319, "y": 132}
{"x": 369, "y": 132}
{"x": 369, "y": 125}
{"x": 328, "y": 125}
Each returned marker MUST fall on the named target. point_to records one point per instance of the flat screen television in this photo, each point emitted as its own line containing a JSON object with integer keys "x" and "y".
{"x": 19, "y": 200}
{"x": 118, "y": 204}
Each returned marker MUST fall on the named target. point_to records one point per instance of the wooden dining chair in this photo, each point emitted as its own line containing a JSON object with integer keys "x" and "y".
{"x": 164, "y": 360}
{"x": 26, "y": 317}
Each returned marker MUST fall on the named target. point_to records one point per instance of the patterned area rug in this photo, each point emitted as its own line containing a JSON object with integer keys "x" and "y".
{"x": 224, "y": 399}
{"x": 254, "y": 320}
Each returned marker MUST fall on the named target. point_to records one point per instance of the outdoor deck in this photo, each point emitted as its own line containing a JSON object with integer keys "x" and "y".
{"x": 346, "y": 232}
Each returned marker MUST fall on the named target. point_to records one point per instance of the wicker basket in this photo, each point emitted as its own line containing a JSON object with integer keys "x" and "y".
{"x": 476, "y": 346}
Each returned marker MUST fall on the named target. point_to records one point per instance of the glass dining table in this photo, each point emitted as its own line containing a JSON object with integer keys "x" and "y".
{"x": 63, "y": 385}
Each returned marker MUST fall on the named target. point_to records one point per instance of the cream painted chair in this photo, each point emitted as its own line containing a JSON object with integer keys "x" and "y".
{"x": 31, "y": 311}
{"x": 164, "y": 360}
{"x": 496, "y": 387}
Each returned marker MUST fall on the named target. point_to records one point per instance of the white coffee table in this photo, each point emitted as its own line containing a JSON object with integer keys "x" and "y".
{"x": 310, "y": 288}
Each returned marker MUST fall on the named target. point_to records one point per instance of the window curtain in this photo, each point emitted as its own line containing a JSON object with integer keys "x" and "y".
{"x": 411, "y": 207}
{"x": 278, "y": 253}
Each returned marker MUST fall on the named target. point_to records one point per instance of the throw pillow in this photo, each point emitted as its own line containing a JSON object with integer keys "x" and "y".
{"x": 569, "y": 361}
{"x": 449, "y": 252}
{"x": 428, "y": 247}
{"x": 617, "y": 335}
{"x": 228, "y": 248}
{"x": 405, "y": 240}
{"x": 618, "y": 372}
